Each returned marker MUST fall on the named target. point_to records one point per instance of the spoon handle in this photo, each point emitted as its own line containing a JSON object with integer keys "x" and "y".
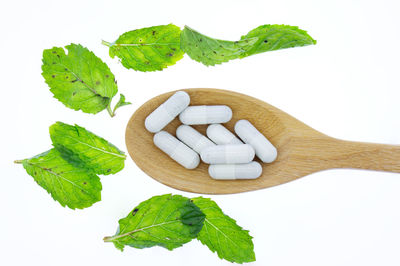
{"x": 348, "y": 154}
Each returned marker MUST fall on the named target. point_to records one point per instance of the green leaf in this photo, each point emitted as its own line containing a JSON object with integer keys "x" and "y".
{"x": 69, "y": 185}
{"x": 168, "y": 221}
{"x": 221, "y": 234}
{"x": 82, "y": 148}
{"x": 79, "y": 79}
{"x": 276, "y": 37}
{"x": 148, "y": 49}
{"x": 120, "y": 103}
{"x": 209, "y": 51}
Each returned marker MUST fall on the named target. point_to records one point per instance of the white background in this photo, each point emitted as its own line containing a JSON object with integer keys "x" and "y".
{"x": 346, "y": 86}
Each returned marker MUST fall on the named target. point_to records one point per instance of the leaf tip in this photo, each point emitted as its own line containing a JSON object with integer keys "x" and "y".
{"x": 314, "y": 41}
{"x": 18, "y": 161}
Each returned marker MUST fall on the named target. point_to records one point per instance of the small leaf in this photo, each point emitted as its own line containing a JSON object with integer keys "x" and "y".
{"x": 276, "y": 37}
{"x": 120, "y": 103}
{"x": 168, "y": 221}
{"x": 80, "y": 80}
{"x": 221, "y": 234}
{"x": 148, "y": 49}
{"x": 209, "y": 51}
{"x": 84, "y": 149}
{"x": 69, "y": 185}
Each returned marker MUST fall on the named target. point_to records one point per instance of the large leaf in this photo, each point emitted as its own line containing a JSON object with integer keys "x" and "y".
{"x": 148, "y": 49}
{"x": 168, "y": 221}
{"x": 276, "y": 37}
{"x": 209, "y": 51}
{"x": 69, "y": 185}
{"x": 221, "y": 234}
{"x": 85, "y": 149}
{"x": 80, "y": 80}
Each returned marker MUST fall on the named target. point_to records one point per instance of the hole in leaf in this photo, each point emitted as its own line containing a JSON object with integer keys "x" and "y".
{"x": 134, "y": 211}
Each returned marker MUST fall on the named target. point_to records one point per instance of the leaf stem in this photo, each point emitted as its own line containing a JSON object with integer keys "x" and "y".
{"x": 18, "y": 161}
{"x": 109, "y": 44}
{"x": 111, "y": 113}
{"x": 112, "y": 238}
{"x": 108, "y": 239}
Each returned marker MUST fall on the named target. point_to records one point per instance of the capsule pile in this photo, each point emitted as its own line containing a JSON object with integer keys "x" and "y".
{"x": 229, "y": 157}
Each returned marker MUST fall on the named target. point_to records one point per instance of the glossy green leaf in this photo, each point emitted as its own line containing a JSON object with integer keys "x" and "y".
{"x": 82, "y": 148}
{"x": 79, "y": 79}
{"x": 221, "y": 234}
{"x": 69, "y": 185}
{"x": 168, "y": 221}
{"x": 210, "y": 51}
{"x": 276, "y": 37}
{"x": 148, "y": 49}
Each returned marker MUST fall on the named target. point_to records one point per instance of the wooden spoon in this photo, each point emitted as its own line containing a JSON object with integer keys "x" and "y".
{"x": 301, "y": 149}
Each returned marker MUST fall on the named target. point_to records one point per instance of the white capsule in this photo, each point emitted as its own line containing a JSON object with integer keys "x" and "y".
{"x": 221, "y": 135}
{"x": 251, "y": 170}
{"x": 167, "y": 111}
{"x": 206, "y": 114}
{"x": 176, "y": 149}
{"x": 250, "y": 135}
{"x": 193, "y": 138}
{"x": 228, "y": 154}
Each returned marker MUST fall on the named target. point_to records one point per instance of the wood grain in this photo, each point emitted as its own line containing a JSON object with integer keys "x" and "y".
{"x": 301, "y": 149}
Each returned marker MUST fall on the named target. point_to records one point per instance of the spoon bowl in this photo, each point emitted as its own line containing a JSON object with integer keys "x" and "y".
{"x": 301, "y": 149}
